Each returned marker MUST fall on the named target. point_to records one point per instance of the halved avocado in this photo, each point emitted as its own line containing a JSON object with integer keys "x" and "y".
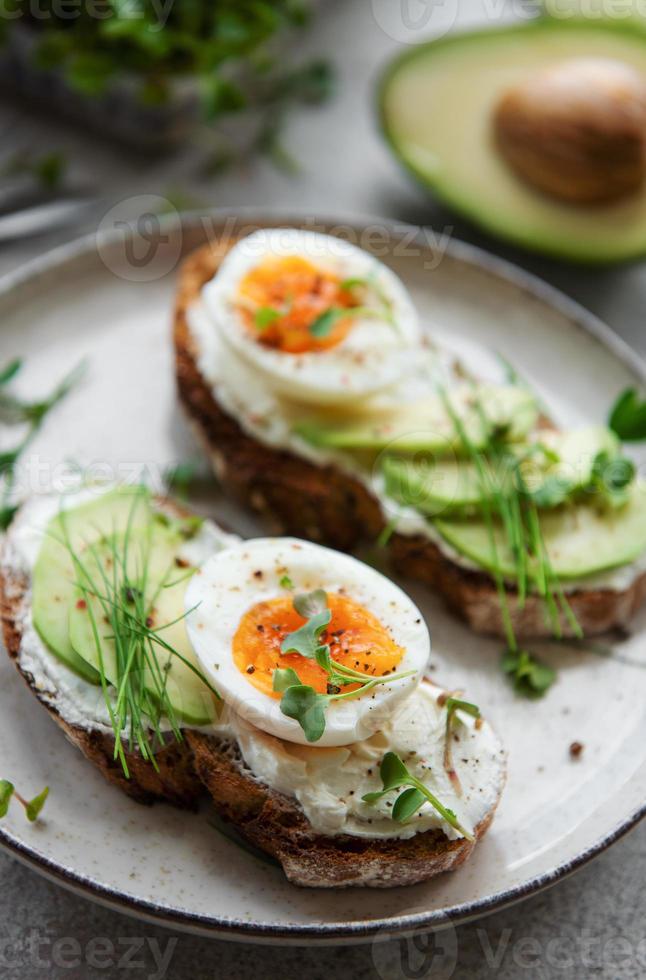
{"x": 154, "y": 570}
{"x": 581, "y": 539}
{"x": 427, "y": 426}
{"x": 53, "y": 581}
{"x": 436, "y": 106}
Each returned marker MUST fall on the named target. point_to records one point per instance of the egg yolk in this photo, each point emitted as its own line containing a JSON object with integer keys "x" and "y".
{"x": 355, "y": 636}
{"x": 283, "y": 299}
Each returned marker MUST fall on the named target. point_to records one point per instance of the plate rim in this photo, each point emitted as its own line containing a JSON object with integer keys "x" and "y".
{"x": 356, "y": 931}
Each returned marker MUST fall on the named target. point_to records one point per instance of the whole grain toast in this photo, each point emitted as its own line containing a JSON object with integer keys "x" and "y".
{"x": 277, "y": 825}
{"x": 174, "y": 780}
{"x": 326, "y": 505}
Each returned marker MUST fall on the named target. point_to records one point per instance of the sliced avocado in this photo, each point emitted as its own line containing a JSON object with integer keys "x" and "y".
{"x": 141, "y": 570}
{"x": 576, "y": 451}
{"x": 434, "y": 487}
{"x": 54, "y": 576}
{"x": 581, "y": 539}
{"x": 436, "y": 104}
{"x": 427, "y": 426}
{"x": 438, "y": 487}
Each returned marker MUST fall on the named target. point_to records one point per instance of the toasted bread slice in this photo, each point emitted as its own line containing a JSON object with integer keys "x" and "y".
{"x": 277, "y": 825}
{"x": 201, "y": 762}
{"x": 174, "y": 781}
{"x": 324, "y": 504}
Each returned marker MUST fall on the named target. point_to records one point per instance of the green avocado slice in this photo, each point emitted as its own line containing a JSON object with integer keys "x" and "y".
{"x": 436, "y": 102}
{"x": 581, "y": 539}
{"x": 146, "y": 562}
{"x": 452, "y": 486}
{"x": 427, "y": 426}
{"x": 434, "y": 487}
{"x": 54, "y": 577}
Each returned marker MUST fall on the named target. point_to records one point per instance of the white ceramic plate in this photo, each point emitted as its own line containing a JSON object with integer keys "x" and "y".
{"x": 159, "y": 863}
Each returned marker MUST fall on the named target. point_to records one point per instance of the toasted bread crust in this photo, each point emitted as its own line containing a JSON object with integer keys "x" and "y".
{"x": 325, "y": 505}
{"x": 276, "y": 824}
{"x": 175, "y": 781}
{"x": 473, "y": 596}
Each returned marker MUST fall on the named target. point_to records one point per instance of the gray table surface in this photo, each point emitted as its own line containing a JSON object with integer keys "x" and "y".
{"x": 588, "y": 926}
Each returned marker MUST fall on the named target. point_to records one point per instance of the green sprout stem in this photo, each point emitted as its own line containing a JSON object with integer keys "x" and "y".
{"x": 395, "y": 775}
{"x": 136, "y": 697}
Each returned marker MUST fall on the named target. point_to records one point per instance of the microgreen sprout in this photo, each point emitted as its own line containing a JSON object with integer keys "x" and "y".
{"x": 17, "y": 411}
{"x": 395, "y": 775}
{"x": 32, "y": 807}
{"x": 452, "y": 705}
{"x": 265, "y": 316}
{"x": 516, "y": 509}
{"x": 120, "y": 602}
{"x": 529, "y": 676}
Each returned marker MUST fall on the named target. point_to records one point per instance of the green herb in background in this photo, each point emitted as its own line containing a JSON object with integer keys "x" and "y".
{"x": 309, "y": 84}
{"x": 628, "y": 416}
{"x": 155, "y": 43}
{"x": 16, "y": 411}
{"x": 47, "y": 169}
{"x": 223, "y": 45}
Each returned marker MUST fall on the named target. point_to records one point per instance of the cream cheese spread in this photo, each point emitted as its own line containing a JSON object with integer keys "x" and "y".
{"x": 329, "y": 782}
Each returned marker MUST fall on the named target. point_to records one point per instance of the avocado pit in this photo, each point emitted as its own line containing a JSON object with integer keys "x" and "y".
{"x": 576, "y": 130}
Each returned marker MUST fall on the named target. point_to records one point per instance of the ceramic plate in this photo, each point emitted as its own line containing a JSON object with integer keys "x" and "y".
{"x": 109, "y": 300}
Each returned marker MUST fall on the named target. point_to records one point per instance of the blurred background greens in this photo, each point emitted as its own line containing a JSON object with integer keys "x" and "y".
{"x": 149, "y": 72}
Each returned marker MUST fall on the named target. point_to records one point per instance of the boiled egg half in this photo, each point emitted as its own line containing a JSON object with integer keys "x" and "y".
{"x": 242, "y": 608}
{"x": 322, "y": 320}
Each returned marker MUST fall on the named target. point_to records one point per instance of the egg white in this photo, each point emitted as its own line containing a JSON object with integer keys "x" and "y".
{"x": 229, "y": 584}
{"x": 374, "y": 355}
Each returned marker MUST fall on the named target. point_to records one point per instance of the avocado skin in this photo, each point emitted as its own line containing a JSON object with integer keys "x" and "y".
{"x": 586, "y": 251}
